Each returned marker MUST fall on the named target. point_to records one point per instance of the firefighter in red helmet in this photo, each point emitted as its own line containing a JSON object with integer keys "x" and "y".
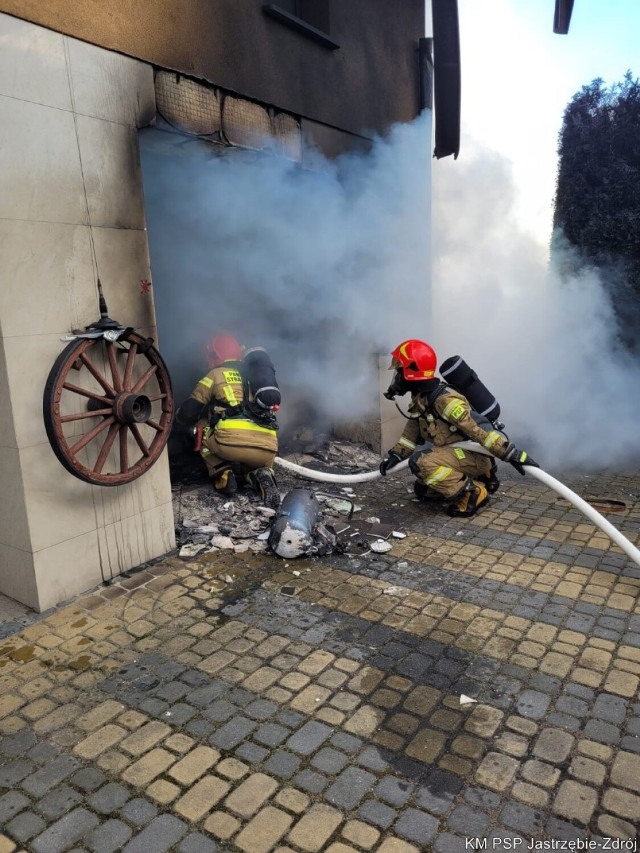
{"x": 232, "y": 409}
{"x": 439, "y": 416}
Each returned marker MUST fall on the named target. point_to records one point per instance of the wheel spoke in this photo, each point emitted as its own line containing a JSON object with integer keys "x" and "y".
{"x": 78, "y": 416}
{"x": 85, "y": 393}
{"x": 106, "y": 447}
{"x": 128, "y": 370}
{"x": 124, "y": 450}
{"x": 144, "y": 379}
{"x": 154, "y": 425}
{"x": 139, "y": 439}
{"x": 115, "y": 373}
{"x": 157, "y": 397}
{"x": 93, "y": 370}
{"x": 107, "y": 422}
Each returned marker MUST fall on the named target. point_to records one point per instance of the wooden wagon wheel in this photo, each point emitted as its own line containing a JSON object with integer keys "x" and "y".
{"x": 108, "y": 408}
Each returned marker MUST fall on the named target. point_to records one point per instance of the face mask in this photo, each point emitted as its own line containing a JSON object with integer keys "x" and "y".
{"x": 398, "y": 387}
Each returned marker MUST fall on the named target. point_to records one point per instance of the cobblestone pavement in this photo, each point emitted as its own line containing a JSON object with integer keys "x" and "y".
{"x": 179, "y": 711}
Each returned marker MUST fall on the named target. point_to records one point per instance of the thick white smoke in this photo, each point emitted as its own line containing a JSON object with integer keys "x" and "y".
{"x": 324, "y": 266}
{"x": 544, "y": 341}
{"x": 328, "y": 266}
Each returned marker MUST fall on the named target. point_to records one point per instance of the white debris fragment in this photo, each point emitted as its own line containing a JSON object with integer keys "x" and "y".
{"x": 395, "y": 590}
{"x": 189, "y": 522}
{"x": 372, "y": 520}
{"x": 263, "y": 536}
{"x": 241, "y": 547}
{"x": 297, "y": 574}
{"x": 207, "y": 528}
{"x": 222, "y": 542}
{"x": 347, "y": 491}
{"x": 398, "y": 534}
{"x": 188, "y": 551}
{"x": 266, "y": 510}
{"x": 467, "y": 700}
{"x": 258, "y": 547}
{"x": 380, "y": 546}
{"x": 342, "y": 506}
{"x": 228, "y": 579}
{"x": 402, "y": 565}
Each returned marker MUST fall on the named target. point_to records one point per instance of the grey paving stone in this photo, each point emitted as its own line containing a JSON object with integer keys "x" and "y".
{"x": 42, "y": 753}
{"x": 24, "y": 826}
{"x": 477, "y": 796}
{"x": 14, "y": 771}
{"x": 199, "y": 729}
{"x": 220, "y": 711}
{"x": 377, "y": 813}
{"x": 468, "y": 821}
{"x": 198, "y": 843}
{"x": 309, "y": 738}
{"x": 347, "y": 743}
{"x": 290, "y": 718}
{"x": 205, "y": 695}
{"x": 571, "y": 705}
{"x": 560, "y": 830}
{"x": 109, "y": 837}
{"x": 65, "y": 832}
{"x": 601, "y": 731}
{"x": 261, "y": 709}
{"x": 271, "y": 734}
{"x": 282, "y": 764}
{"x": 447, "y": 843}
{"x": 194, "y": 678}
{"x": 252, "y": 753}
{"x": 16, "y": 745}
{"x": 88, "y": 779}
{"x": 50, "y": 775}
{"x": 232, "y": 733}
{"x": 533, "y": 704}
{"x": 172, "y": 691}
{"x": 310, "y": 781}
{"x": 109, "y": 798}
{"x": 631, "y": 743}
{"x": 179, "y": 714}
{"x": 438, "y": 792}
{"x": 10, "y": 804}
{"x": 564, "y": 721}
{"x": 416, "y": 826}
{"x": 153, "y": 707}
{"x": 139, "y": 812}
{"x": 612, "y": 709}
{"x": 329, "y": 761}
{"x": 372, "y": 758}
{"x": 350, "y": 787}
{"x": 160, "y": 835}
{"x": 394, "y": 791}
{"x": 522, "y": 818}
{"x": 59, "y": 801}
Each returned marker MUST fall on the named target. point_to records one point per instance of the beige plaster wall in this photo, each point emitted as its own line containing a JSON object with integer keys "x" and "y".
{"x": 70, "y": 170}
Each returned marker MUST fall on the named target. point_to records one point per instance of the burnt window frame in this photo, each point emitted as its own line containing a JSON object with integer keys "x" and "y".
{"x": 300, "y": 24}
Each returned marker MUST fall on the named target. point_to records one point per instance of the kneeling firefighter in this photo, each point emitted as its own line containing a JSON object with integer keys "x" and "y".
{"x": 232, "y": 414}
{"x": 440, "y": 416}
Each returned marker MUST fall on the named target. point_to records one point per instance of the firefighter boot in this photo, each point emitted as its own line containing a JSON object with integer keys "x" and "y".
{"x": 491, "y": 481}
{"x": 469, "y": 502}
{"x": 425, "y": 493}
{"x": 225, "y": 482}
{"x": 263, "y": 480}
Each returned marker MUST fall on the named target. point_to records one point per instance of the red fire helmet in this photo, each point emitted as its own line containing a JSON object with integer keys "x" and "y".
{"x": 416, "y": 359}
{"x": 223, "y": 348}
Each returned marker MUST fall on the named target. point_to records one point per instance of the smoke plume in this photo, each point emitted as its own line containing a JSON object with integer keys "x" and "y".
{"x": 329, "y": 265}
{"x": 540, "y": 331}
{"x": 324, "y": 266}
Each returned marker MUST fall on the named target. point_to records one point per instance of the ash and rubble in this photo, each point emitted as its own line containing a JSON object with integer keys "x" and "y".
{"x": 206, "y": 521}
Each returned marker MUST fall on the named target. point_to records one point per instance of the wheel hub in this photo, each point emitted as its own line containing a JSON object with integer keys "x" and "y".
{"x": 131, "y": 408}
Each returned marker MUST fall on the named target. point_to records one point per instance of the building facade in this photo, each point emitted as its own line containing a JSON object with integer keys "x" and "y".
{"x": 78, "y": 80}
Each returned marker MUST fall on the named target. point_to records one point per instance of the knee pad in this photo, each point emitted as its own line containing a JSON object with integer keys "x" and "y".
{"x": 413, "y": 461}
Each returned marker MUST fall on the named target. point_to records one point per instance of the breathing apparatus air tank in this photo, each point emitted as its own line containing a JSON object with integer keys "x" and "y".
{"x": 261, "y": 378}
{"x": 456, "y": 372}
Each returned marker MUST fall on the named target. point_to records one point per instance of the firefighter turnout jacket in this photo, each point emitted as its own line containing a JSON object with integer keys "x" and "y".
{"x": 440, "y": 418}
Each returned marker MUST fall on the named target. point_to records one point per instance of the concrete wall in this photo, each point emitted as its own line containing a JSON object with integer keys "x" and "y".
{"x": 368, "y": 83}
{"x": 70, "y": 165}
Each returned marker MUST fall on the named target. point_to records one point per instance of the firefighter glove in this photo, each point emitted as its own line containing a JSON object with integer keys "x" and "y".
{"x": 519, "y": 458}
{"x": 392, "y": 459}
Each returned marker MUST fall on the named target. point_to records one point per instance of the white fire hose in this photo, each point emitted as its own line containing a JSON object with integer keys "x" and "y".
{"x": 586, "y": 509}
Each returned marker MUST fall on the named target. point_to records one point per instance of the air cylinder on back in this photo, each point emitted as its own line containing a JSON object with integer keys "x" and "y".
{"x": 456, "y": 372}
